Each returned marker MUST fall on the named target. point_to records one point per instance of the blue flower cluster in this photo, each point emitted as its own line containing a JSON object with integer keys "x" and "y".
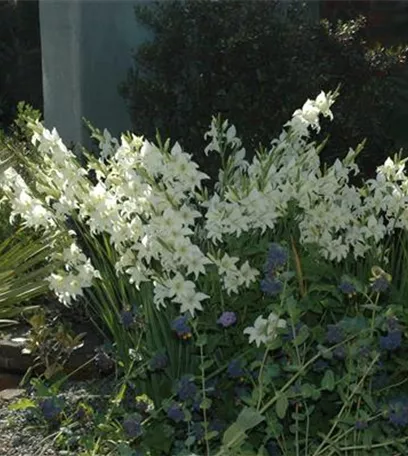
{"x": 132, "y": 426}
{"x": 347, "y": 288}
{"x": 127, "y": 318}
{"x": 227, "y": 319}
{"x": 51, "y": 408}
{"x": 380, "y": 284}
{"x": 181, "y": 327}
{"x": 392, "y": 341}
{"x": 186, "y": 389}
{"x": 175, "y": 412}
{"x": 276, "y": 259}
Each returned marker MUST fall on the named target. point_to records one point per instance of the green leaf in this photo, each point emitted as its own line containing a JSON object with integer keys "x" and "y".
{"x": 281, "y": 406}
{"x": 249, "y": 418}
{"x": 232, "y": 434}
{"x": 302, "y": 336}
{"x": 22, "y": 404}
{"x": 201, "y": 340}
{"x": 328, "y": 381}
{"x": 206, "y": 364}
{"x": 206, "y": 403}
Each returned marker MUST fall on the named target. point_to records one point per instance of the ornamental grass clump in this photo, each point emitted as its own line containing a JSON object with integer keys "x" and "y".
{"x": 234, "y": 306}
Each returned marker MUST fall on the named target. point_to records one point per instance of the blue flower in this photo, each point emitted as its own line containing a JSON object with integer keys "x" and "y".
{"x": 50, "y": 408}
{"x": 175, "y": 413}
{"x": 158, "y": 362}
{"x": 276, "y": 259}
{"x": 334, "y": 334}
{"x": 127, "y": 318}
{"x": 380, "y": 284}
{"x": 235, "y": 369}
{"x": 227, "y": 319}
{"x": 392, "y": 341}
{"x": 347, "y": 287}
{"x": 181, "y": 327}
{"x": 132, "y": 426}
{"x": 398, "y": 411}
{"x": 186, "y": 389}
{"x": 272, "y": 448}
{"x": 271, "y": 286}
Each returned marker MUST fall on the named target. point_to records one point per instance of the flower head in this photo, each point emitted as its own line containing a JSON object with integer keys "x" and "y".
{"x": 50, "y": 408}
{"x": 347, "y": 288}
{"x": 227, "y": 319}
{"x": 276, "y": 259}
{"x": 186, "y": 389}
{"x": 380, "y": 280}
{"x": 391, "y": 341}
{"x": 132, "y": 426}
{"x": 127, "y": 318}
{"x": 265, "y": 330}
{"x": 271, "y": 286}
{"x": 181, "y": 327}
{"x": 175, "y": 412}
{"x": 380, "y": 284}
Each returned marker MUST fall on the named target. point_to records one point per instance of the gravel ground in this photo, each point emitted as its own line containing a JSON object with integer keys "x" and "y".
{"x": 16, "y": 437}
{"x": 21, "y": 436}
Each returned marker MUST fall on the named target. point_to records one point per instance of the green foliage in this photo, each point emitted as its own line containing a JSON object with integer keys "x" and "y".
{"x": 23, "y": 269}
{"x": 238, "y": 58}
{"x": 337, "y": 388}
{"x": 50, "y": 344}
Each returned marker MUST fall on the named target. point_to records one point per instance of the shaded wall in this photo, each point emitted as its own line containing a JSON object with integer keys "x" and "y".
{"x": 86, "y": 52}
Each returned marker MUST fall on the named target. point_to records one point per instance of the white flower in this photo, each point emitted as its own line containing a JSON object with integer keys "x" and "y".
{"x": 265, "y": 330}
{"x": 247, "y": 274}
{"x": 258, "y": 332}
{"x": 323, "y": 103}
{"x": 309, "y": 114}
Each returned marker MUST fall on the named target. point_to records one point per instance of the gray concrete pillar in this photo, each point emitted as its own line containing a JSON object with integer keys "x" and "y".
{"x": 87, "y": 51}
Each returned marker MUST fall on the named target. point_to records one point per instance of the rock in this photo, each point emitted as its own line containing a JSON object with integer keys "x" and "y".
{"x": 11, "y": 394}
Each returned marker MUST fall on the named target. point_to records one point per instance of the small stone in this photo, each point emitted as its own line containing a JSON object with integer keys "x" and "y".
{"x": 11, "y": 393}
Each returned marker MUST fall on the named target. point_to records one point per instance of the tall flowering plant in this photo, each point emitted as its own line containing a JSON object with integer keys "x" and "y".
{"x": 241, "y": 304}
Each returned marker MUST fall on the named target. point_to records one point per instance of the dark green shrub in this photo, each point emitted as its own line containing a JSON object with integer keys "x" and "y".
{"x": 20, "y": 57}
{"x": 253, "y": 64}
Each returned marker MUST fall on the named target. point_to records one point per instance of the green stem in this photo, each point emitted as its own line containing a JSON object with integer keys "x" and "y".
{"x": 345, "y": 405}
{"x": 375, "y": 445}
{"x": 260, "y": 382}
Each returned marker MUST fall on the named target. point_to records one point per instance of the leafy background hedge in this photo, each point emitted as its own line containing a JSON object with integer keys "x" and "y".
{"x": 254, "y": 65}
{"x": 20, "y": 57}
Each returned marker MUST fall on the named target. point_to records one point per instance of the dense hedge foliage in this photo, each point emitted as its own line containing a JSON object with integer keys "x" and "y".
{"x": 20, "y": 58}
{"x": 239, "y": 58}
